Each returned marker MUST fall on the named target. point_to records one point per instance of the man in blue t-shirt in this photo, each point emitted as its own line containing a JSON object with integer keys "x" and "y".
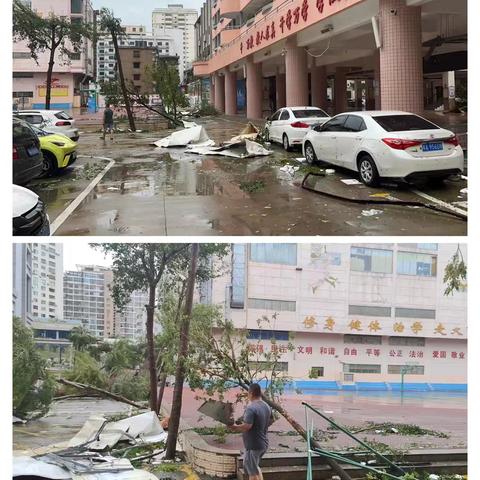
{"x": 256, "y": 420}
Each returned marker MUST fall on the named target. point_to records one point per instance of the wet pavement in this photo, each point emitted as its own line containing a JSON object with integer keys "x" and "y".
{"x": 152, "y": 191}
{"x": 441, "y": 412}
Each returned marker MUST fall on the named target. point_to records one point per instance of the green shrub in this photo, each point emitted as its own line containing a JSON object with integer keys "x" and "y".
{"x": 86, "y": 370}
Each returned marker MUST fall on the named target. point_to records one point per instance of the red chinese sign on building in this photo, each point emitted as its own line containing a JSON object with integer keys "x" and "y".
{"x": 293, "y": 16}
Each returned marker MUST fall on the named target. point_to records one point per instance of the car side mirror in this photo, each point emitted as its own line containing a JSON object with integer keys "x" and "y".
{"x": 267, "y": 119}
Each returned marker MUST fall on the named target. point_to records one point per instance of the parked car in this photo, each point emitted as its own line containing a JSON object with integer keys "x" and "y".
{"x": 29, "y": 213}
{"x": 58, "y": 150}
{"x": 27, "y": 157}
{"x": 52, "y": 121}
{"x": 385, "y": 144}
{"x": 289, "y": 125}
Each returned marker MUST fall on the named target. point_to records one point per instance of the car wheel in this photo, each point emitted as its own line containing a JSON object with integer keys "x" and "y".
{"x": 368, "y": 171}
{"x": 286, "y": 143}
{"x": 49, "y": 163}
{"x": 310, "y": 153}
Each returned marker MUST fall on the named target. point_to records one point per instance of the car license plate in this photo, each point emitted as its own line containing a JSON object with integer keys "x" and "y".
{"x": 432, "y": 146}
{"x": 32, "y": 151}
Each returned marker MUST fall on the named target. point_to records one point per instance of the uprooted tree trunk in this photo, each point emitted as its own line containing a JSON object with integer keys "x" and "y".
{"x": 89, "y": 389}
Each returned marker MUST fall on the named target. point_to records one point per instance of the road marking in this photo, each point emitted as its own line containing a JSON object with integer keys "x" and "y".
{"x": 71, "y": 208}
{"x": 439, "y": 202}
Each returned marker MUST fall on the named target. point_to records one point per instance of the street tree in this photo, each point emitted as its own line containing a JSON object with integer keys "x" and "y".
{"x": 109, "y": 23}
{"x": 53, "y": 34}
{"x": 33, "y": 387}
{"x": 81, "y": 338}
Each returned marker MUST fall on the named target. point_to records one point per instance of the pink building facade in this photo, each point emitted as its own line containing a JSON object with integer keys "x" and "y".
{"x": 356, "y": 314}
{"x": 70, "y": 75}
{"x": 313, "y": 49}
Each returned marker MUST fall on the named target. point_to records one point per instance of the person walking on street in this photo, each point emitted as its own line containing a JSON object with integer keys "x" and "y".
{"x": 256, "y": 420}
{"x": 108, "y": 122}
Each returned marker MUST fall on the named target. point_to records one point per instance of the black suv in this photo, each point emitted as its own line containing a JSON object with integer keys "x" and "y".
{"x": 27, "y": 156}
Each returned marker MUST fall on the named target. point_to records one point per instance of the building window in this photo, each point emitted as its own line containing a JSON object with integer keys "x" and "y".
{"x": 22, "y": 55}
{"x": 76, "y": 6}
{"x": 136, "y": 64}
{"x": 23, "y": 95}
{"x": 408, "y": 369}
{"x": 22, "y": 75}
{"x": 281, "y": 253}
{"x": 266, "y": 366}
{"x": 418, "y": 264}
{"x": 136, "y": 76}
{"x": 316, "y": 372}
{"x": 136, "y": 54}
{"x": 407, "y": 341}
{"x": 427, "y": 246}
{"x": 274, "y": 305}
{"x": 371, "y": 260}
{"x": 363, "y": 339}
{"x": 361, "y": 368}
{"x": 369, "y": 311}
{"x": 268, "y": 335}
{"x": 74, "y": 56}
{"x": 414, "y": 313}
{"x": 237, "y": 298}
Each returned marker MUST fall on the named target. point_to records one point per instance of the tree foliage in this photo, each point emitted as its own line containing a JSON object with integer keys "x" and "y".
{"x": 81, "y": 338}
{"x": 52, "y": 33}
{"x": 455, "y": 274}
{"x": 33, "y": 387}
{"x": 87, "y": 370}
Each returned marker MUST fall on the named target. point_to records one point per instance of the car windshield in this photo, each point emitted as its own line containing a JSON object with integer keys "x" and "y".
{"x": 39, "y": 131}
{"x": 311, "y": 112}
{"x": 63, "y": 116}
{"x": 402, "y": 123}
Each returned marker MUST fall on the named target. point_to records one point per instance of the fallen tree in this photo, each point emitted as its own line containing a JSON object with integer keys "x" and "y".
{"x": 89, "y": 389}
{"x": 227, "y": 358}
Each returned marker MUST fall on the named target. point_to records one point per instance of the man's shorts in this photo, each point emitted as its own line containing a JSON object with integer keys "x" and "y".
{"x": 251, "y": 461}
{"x": 109, "y": 127}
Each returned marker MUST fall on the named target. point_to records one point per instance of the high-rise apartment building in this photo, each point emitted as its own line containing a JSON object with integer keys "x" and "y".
{"x": 177, "y": 17}
{"x": 70, "y": 75}
{"x": 130, "y": 323}
{"x": 87, "y": 293}
{"x": 164, "y": 44}
{"x": 22, "y": 281}
{"x": 47, "y": 274}
{"x": 357, "y": 314}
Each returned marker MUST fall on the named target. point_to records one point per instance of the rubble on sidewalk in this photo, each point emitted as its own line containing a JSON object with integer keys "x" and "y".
{"x": 193, "y": 134}
{"x": 98, "y": 451}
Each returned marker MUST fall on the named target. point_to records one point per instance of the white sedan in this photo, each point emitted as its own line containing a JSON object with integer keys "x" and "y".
{"x": 383, "y": 144}
{"x": 52, "y": 121}
{"x": 289, "y": 125}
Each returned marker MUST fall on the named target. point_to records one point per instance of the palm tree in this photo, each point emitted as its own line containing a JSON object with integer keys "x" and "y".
{"x": 81, "y": 338}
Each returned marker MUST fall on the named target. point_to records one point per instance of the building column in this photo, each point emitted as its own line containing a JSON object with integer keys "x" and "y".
{"x": 280, "y": 90}
{"x": 220, "y": 93}
{"x": 212, "y": 91}
{"x": 449, "y": 103}
{"x": 376, "y": 80}
{"x": 254, "y": 89}
{"x": 401, "y": 64}
{"x": 296, "y": 73}
{"x": 358, "y": 95}
{"x": 340, "y": 90}
{"x": 230, "y": 92}
{"x": 318, "y": 85}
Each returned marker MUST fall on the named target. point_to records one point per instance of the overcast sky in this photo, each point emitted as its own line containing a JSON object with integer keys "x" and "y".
{"x": 140, "y": 11}
{"x": 81, "y": 254}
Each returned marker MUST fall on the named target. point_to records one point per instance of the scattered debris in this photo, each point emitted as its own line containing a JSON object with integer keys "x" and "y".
{"x": 290, "y": 169}
{"x": 220, "y": 411}
{"x": 350, "y": 181}
{"x": 301, "y": 159}
{"x": 17, "y": 420}
{"x": 464, "y": 191}
{"x": 329, "y": 171}
{"x": 370, "y": 213}
{"x": 253, "y": 149}
{"x": 194, "y": 134}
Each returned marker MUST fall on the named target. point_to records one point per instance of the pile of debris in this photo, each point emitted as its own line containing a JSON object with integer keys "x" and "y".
{"x": 196, "y": 140}
{"x": 99, "y": 451}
